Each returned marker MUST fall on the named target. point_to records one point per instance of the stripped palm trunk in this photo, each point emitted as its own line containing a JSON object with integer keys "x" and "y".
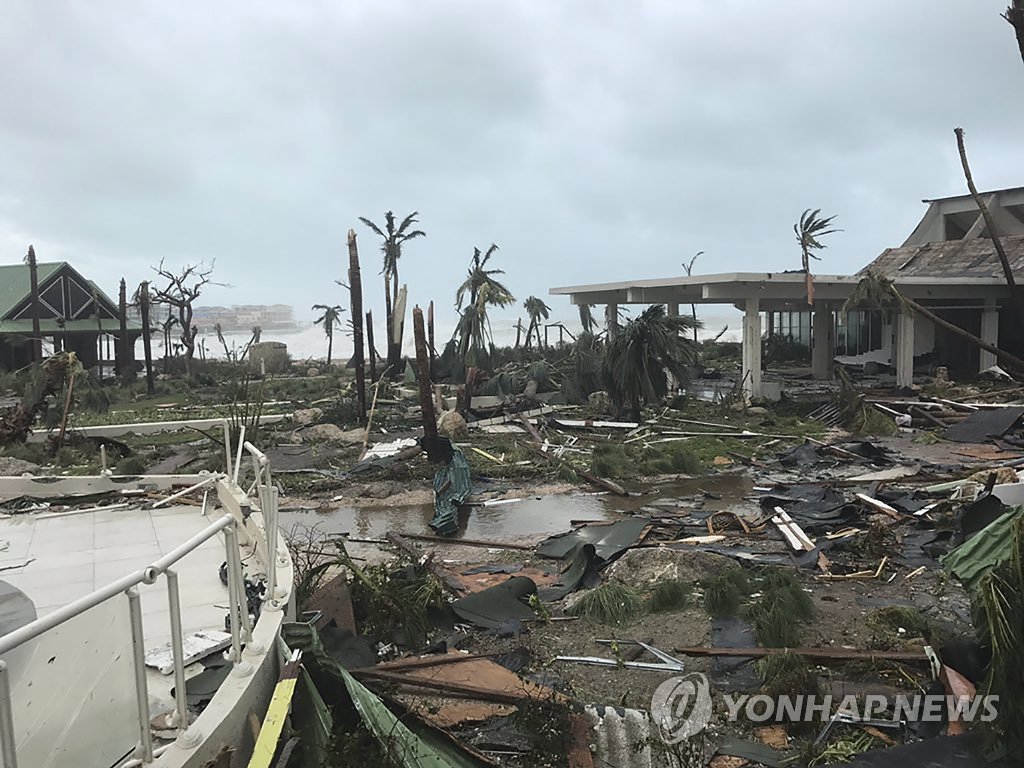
{"x": 146, "y": 342}
{"x": 33, "y": 275}
{"x": 1018, "y": 305}
{"x": 355, "y": 293}
{"x": 124, "y": 368}
{"x": 423, "y": 377}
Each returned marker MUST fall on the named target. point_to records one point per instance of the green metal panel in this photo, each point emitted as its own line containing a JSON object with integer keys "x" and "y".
{"x": 986, "y": 549}
{"x": 16, "y": 283}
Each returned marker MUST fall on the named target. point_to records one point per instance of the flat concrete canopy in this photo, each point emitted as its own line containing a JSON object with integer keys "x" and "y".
{"x": 757, "y": 292}
{"x": 774, "y": 290}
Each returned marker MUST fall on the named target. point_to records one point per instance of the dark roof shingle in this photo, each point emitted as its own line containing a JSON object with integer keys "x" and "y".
{"x": 952, "y": 258}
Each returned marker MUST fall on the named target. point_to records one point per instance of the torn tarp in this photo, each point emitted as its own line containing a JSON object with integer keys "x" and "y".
{"x": 495, "y": 606}
{"x": 609, "y": 540}
{"x": 578, "y": 568}
{"x": 452, "y": 487}
{"x": 980, "y": 425}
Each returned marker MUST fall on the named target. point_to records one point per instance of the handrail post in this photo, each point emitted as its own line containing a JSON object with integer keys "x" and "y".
{"x": 237, "y": 602}
{"x": 268, "y": 503}
{"x": 227, "y": 448}
{"x": 186, "y": 737}
{"x": 145, "y": 751}
{"x": 8, "y": 746}
{"x": 238, "y": 456}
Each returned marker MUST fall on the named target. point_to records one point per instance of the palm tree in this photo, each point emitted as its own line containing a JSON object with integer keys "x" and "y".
{"x": 538, "y": 311}
{"x": 330, "y": 319}
{"x": 587, "y": 318}
{"x": 689, "y": 273}
{"x": 1014, "y": 14}
{"x": 483, "y": 290}
{"x": 640, "y": 354}
{"x": 393, "y": 239}
{"x": 810, "y": 227}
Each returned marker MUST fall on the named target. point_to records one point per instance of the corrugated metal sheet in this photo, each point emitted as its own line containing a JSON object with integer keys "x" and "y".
{"x": 989, "y": 547}
{"x": 627, "y": 738}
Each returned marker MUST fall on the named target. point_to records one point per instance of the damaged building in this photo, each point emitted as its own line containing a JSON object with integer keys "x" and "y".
{"x": 74, "y": 316}
{"x": 948, "y": 264}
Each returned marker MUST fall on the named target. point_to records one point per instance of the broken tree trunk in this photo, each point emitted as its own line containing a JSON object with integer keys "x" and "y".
{"x": 369, "y": 345}
{"x": 423, "y": 376}
{"x": 124, "y": 369}
{"x": 147, "y": 346}
{"x": 430, "y": 334}
{"x": 33, "y": 276}
{"x": 1018, "y": 306}
{"x": 397, "y": 327}
{"x": 355, "y": 293}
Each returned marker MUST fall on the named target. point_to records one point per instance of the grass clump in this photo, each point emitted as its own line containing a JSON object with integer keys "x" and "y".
{"x": 886, "y": 624}
{"x": 724, "y": 593}
{"x": 786, "y": 673}
{"x": 130, "y": 465}
{"x": 669, "y": 596}
{"x": 670, "y": 458}
{"x": 612, "y": 603}
{"x": 778, "y": 612}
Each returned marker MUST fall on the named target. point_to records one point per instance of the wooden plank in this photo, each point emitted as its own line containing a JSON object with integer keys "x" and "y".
{"x": 837, "y": 654}
{"x": 879, "y": 506}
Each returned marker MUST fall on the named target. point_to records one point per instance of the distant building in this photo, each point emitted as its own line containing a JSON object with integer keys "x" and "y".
{"x": 74, "y": 315}
{"x": 243, "y": 317}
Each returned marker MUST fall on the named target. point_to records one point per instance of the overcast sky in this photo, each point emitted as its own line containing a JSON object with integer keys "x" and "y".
{"x": 592, "y": 141}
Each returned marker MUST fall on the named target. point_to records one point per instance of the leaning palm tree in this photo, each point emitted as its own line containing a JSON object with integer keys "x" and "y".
{"x": 875, "y": 291}
{"x": 393, "y": 239}
{"x": 587, "y": 318}
{"x": 330, "y": 318}
{"x": 642, "y": 353}
{"x": 483, "y": 290}
{"x": 811, "y": 227}
{"x": 537, "y": 311}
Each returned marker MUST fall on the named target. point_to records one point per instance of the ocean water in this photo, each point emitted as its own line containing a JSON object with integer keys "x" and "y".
{"x": 310, "y": 343}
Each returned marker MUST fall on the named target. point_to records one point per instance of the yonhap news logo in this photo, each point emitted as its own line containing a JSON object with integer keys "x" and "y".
{"x": 682, "y": 707}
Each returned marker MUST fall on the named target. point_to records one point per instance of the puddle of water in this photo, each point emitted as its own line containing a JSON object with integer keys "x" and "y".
{"x": 525, "y": 521}
{"x": 532, "y": 519}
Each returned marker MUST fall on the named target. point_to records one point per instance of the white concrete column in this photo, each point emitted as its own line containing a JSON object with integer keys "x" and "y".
{"x": 611, "y": 319}
{"x": 904, "y": 351}
{"x": 824, "y": 342}
{"x": 672, "y": 309}
{"x": 989, "y": 333}
{"x": 752, "y": 349}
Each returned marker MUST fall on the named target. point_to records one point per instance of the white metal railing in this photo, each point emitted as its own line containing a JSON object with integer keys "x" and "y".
{"x": 239, "y": 620}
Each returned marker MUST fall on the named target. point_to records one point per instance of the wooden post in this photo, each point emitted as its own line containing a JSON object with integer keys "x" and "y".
{"x": 369, "y": 344}
{"x": 33, "y": 276}
{"x": 146, "y": 343}
{"x": 124, "y": 368}
{"x": 430, "y": 334}
{"x": 355, "y": 293}
{"x": 423, "y": 364}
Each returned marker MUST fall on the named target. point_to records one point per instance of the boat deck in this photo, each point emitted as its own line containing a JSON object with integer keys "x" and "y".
{"x": 55, "y": 558}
